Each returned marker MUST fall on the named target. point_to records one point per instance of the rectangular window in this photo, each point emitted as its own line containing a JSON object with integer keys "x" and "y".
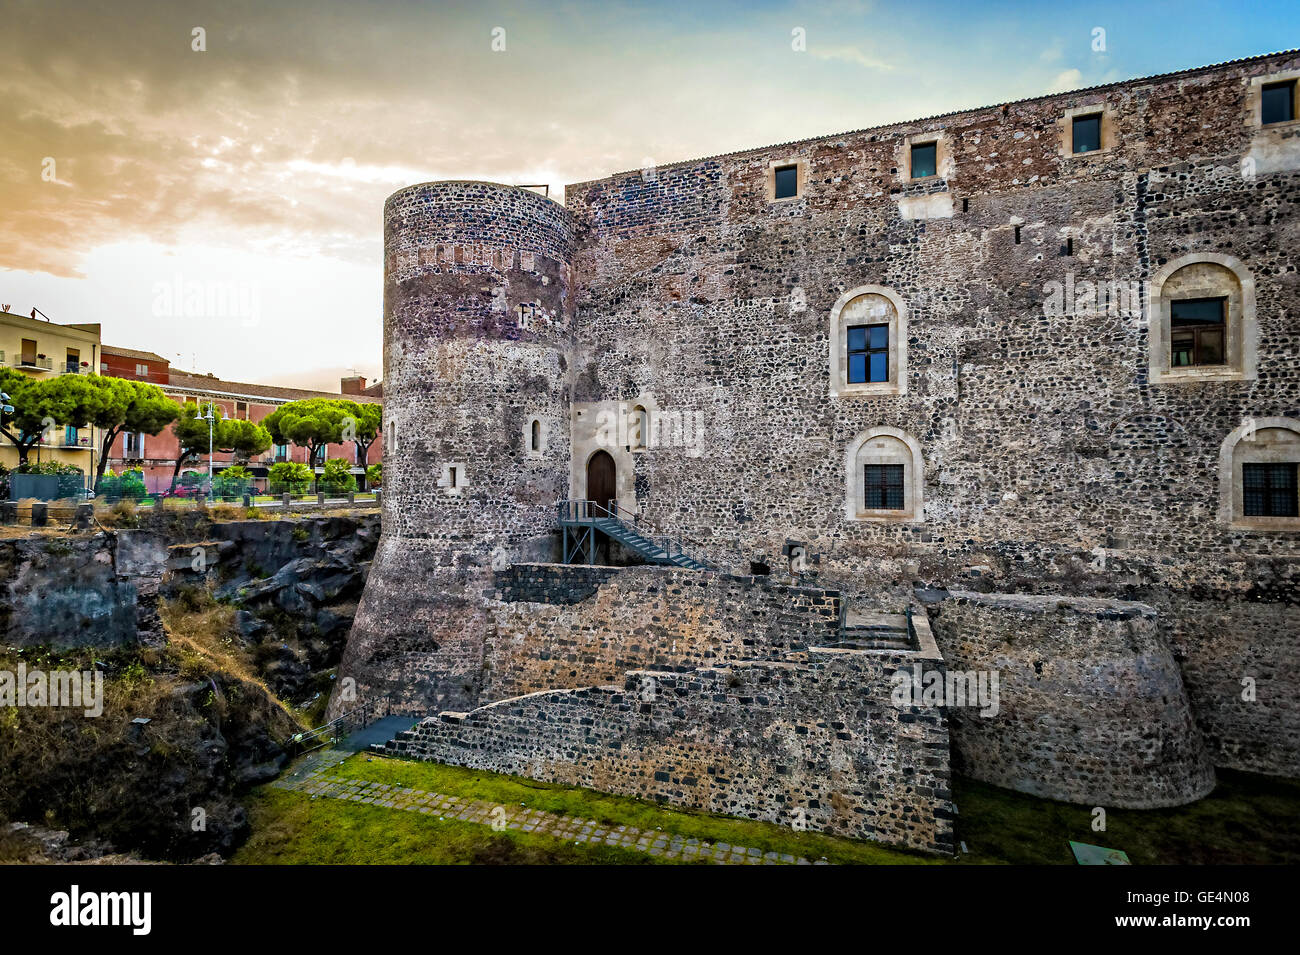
{"x": 282, "y": 452}
{"x": 924, "y": 160}
{"x": 787, "y": 182}
{"x": 1277, "y": 103}
{"x": 1196, "y": 332}
{"x": 451, "y": 477}
{"x": 29, "y": 351}
{"x": 73, "y": 361}
{"x": 1269, "y": 490}
{"x": 868, "y": 353}
{"x": 133, "y": 445}
{"x": 70, "y": 436}
{"x": 1087, "y": 133}
{"x": 141, "y": 370}
{"x": 884, "y": 487}
{"x": 241, "y": 409}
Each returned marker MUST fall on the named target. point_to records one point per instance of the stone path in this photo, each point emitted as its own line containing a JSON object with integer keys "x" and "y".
{"x": 313, "y": 778}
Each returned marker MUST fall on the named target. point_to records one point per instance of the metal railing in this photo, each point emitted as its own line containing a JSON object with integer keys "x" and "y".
{"x": 335, "y": 731}
{"x": 589, "y": 512}
{"x": 21, "y": 362}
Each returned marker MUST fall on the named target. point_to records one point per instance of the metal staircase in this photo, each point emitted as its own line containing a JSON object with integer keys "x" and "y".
{"x": 580, "y": 520}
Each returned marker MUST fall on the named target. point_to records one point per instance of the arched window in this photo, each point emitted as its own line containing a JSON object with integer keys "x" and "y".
{"x": 1259, "y": 464}
{"x": 884, "y": 479}
{"x": 1202, "y": 316}
{"x": 534, "y": 437}
{"x": 639, "y": 429}
{"x": 868, "y": 343}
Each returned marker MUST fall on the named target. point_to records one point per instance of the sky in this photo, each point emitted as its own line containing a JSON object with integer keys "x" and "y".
{"x": 222, "y": 206}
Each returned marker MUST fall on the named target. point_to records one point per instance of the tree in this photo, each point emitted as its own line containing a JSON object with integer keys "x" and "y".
{"x": 32, "y": 404}
{"x": 116, "y": 405}
{"x": 315, "y": 422}
{"x": 245, "y": 438}
{"x": 369, "y": 419}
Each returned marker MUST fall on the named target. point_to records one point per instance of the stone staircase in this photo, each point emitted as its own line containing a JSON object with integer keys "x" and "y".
{"x": 874, "y": 630}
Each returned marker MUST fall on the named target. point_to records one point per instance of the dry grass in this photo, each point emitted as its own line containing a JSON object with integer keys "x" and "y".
{"x": 202, "y": 637}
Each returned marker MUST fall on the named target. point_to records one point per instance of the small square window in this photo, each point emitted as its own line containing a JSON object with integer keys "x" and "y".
{"x": 924, "y": 160}
{"x": 787, "y": 182}
{"x": 1277, "y": 103}
{"x": 868, "y": 353}
{"x": 1269, "y": 490}
{"x": 883, "y": 487}
{"x": 1086, "y": 133}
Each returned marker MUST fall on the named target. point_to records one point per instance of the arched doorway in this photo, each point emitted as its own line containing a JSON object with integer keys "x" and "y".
{"x": 601, "y": 486}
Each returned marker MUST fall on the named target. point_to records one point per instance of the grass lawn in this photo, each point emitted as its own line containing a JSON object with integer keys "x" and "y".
{"x": 1246, "y": 820}
{"x": 289, "y": 827}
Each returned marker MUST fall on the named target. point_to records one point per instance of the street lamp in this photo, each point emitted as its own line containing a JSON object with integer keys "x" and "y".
{"x": 211, "y": 420}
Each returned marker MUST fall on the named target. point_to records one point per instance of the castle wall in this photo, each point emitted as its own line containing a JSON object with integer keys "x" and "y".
{"x": 1241, "y": 663}
{"x": 1091, "y": 704}
{"x": 1050, "y": 452}
{"x": 573, "y": 626}
{"x": 811, "y": 741}
{"x": 1056, "y": 456}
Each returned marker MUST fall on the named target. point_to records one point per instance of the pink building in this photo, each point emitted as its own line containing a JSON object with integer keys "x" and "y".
{"x": 155, "y": 455}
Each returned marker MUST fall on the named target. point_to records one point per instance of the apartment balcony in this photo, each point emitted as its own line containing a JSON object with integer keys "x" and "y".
{"x": 75, "y": 368}
{"x": 27, "y": 364}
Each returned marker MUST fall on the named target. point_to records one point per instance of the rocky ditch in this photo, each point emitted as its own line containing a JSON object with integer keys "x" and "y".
{"x": 217, "y": 641}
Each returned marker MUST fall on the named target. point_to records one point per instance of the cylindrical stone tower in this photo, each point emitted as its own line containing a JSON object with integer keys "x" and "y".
{"x": 477, "y": 315}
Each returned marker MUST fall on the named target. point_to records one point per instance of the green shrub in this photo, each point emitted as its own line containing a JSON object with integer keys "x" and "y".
{"x": 290, "y": 477}
{"x": 127, "y": 486}
{"x": 232, "y": 483}
{"x": 336, "y": 478}
{"x": 374, "y": 475}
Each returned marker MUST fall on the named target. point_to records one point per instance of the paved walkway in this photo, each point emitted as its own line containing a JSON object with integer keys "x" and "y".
{"x": 314, "y": 777}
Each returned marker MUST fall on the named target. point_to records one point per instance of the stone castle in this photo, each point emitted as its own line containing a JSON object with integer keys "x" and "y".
{"x": 683, "y": 474}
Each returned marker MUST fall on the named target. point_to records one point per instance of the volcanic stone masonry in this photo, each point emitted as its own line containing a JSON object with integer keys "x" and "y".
{"x": 1032, "y": 427}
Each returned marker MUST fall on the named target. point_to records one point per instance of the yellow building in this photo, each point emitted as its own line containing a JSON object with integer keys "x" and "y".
{"x": 40, "y": 348}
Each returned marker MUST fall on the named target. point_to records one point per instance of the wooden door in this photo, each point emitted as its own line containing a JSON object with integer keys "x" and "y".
{"x": 600, "y": 480}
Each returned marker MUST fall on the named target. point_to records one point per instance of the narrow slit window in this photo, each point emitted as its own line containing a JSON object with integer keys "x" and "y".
{"x": 1087, "y": 133}
{"x": 536, "y": 438}
{"x": 1197, "y": 327}
{"x": 1269, "y": 490}
{"x": 1277, "y": 103}
{"x": 868, "y": 353}
{"x": 883, "y": 486}
{"x": 451, "y": 477}
{"x": 924, "y": 160}
{"x": 787, "y": 182}
{"x": 1017, "y": 235}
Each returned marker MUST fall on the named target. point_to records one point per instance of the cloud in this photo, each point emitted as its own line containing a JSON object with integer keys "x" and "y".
{"x": 1066, "y": 80}
{"x": 851, "y": 54}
